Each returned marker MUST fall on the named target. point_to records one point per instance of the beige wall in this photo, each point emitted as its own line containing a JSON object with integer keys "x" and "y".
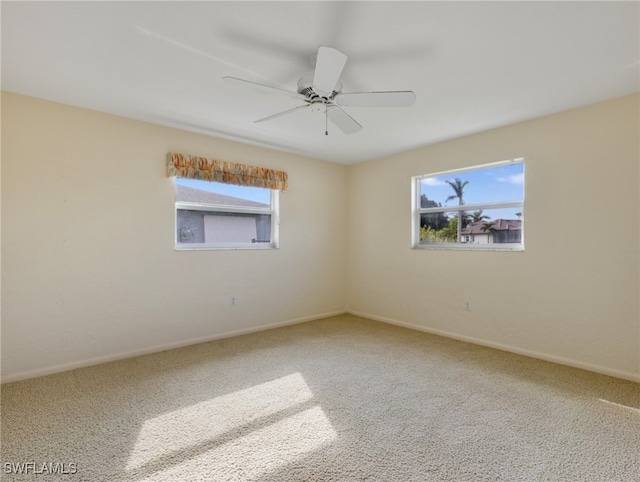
{"x": 88, "y": 262}
{"x": 571, "y": 296}
{"x": 89, "y": 271}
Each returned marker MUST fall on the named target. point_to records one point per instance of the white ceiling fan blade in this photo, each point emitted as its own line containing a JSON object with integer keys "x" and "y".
{"x": 262, "y": 87}
{"x": 280, "y": 114}
{"x": 329, "y": 65}
{"x": 342, "y": 120}
{"x": 376, "y": 99}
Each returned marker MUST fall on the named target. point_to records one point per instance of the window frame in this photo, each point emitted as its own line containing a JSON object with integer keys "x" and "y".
{"x": 417, "y": 210}
{"x": 273, "y": 210}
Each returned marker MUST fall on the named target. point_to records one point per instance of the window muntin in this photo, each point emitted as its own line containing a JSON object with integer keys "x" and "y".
{"x": 212, "y": 215}
{"x": 477, "y": 208}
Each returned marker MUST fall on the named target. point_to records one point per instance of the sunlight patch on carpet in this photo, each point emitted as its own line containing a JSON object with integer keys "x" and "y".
{"x": 255, "y": 429}
{"x": 619, "y": 405}
{"x": 260, "y": 452}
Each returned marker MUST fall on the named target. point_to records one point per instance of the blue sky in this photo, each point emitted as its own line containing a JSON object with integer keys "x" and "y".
{"x": 251, "y": 193}
{"x": 493, "y": 184}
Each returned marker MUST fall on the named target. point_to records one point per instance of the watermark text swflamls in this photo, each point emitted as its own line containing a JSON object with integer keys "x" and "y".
{"x": 44, "y": 468}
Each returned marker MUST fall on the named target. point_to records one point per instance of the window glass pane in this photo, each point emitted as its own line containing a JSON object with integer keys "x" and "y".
{"x": 221, "y": 228}
{"x": 492, "y": 184}
{"x": 222, "y": 215}
{"x": 487, "y": 226}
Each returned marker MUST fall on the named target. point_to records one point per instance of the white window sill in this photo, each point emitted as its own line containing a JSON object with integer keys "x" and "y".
{"x": 470, "y": 247}
{"x": 201, "y": 247}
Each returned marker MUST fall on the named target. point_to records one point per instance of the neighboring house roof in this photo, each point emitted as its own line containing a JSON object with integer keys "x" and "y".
{"x": 498, "y": 225}
{"x": 191, "y": 195}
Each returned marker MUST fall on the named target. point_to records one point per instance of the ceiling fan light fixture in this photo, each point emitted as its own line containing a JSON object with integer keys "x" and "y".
{"x": 318, "y": 105}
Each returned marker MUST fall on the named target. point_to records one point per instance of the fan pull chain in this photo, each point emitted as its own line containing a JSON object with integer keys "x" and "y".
{"x": 326, "y": 122}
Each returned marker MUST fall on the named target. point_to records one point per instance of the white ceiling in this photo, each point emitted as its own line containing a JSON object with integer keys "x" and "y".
{"x": 472, "y": 65}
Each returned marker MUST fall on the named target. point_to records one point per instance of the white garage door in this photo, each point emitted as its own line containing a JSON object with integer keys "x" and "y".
{"x": 229, "y": 229}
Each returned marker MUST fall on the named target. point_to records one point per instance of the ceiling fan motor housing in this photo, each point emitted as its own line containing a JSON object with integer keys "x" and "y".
{"x": 305, "y": 87}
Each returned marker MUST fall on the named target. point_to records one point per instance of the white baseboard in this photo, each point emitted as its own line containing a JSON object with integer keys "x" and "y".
{"x": 512, "y": 349}
{"x": 158, "y": 348}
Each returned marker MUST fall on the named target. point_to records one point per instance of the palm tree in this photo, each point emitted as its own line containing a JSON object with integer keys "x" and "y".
{"x": 458, "y": 187}
{"x": 478, "y": 216}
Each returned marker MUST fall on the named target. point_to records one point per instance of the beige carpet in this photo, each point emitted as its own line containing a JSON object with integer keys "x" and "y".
{"x": 339, "y": 399}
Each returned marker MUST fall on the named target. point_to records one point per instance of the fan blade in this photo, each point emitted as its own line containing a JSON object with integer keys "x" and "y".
{"x": 329, "y": 65}
{"x": 280, "y": 114}
{"x": 404, "y": 98}
{"x": 342, "y": 120}
{"x": 262, "y": 87}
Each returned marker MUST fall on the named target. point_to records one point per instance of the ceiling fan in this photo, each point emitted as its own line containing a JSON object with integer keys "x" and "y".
{"x": 321, "y": 91}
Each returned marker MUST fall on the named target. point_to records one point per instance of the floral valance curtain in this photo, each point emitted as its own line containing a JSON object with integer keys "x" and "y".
{"x": 193, "y": 167}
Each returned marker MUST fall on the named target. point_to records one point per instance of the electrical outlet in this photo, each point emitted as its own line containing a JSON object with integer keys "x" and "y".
{"x": 467, "y": 305}
{"x": 233, "y": 300}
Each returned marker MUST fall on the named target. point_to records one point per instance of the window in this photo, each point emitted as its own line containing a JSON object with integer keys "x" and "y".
{"x": 213, "y": 215}
{"x": 476, "y": 208}
{"x": 221, "y": 204}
